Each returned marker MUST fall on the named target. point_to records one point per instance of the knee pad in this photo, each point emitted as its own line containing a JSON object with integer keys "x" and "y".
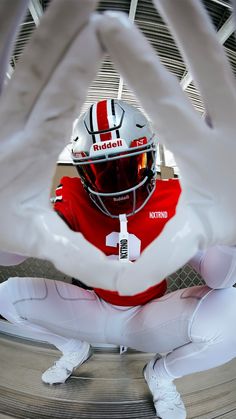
{"x": 7, "y": 308}
{"x": 214, "y": 320}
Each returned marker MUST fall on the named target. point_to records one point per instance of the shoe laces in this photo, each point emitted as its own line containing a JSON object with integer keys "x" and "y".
{"x": 67, "y": 361}
{"x": 165, "y": 390}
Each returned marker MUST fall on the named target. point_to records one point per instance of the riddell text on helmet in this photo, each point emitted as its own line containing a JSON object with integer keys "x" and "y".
{"x": 107, "y": 144}
{"x": 108, "y": 147}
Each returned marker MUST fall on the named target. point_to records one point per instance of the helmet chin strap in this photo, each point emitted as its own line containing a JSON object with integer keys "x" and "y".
{"x": 123, "y": 252}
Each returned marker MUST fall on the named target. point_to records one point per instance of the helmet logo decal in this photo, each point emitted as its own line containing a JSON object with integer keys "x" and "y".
{"x": 121, "y": 198}
{"x": 108, "y": 147}
{"x": 139, "y": 142}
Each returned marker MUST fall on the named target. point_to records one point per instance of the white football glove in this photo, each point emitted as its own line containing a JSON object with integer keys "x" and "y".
{"x": 37, "y": 109}
{"x": 206, "y": 213}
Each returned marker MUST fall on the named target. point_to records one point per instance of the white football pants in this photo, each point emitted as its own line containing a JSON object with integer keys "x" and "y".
{"x": 195, "y": 326}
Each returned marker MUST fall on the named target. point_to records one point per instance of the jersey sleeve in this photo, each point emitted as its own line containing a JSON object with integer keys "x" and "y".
{"x": 217, "y": 266}
{"x": 62, "y": 203}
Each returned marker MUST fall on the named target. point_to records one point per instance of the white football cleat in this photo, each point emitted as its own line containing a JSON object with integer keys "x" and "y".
{"x": 64, "y": 367}
{"x": 167, "y": 400}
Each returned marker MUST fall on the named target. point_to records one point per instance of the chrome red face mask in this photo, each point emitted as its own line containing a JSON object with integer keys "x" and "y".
{"x": 120, "y": 183}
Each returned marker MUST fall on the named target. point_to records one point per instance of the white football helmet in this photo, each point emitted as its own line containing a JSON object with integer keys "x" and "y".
{"x": 114, "y": 151}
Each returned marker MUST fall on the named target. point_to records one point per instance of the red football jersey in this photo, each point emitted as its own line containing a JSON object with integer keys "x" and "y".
{"x": 75, "y": 206}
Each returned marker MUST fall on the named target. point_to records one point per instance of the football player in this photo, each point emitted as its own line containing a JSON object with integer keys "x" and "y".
{"x": 119, "y": 206}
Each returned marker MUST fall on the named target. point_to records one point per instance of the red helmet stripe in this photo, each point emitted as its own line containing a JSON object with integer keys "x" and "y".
{"x": 103, "y": 121}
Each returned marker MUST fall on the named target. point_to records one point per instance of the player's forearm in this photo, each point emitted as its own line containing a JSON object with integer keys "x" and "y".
{"x": 10, "y": 259}
{"x": 216, "y": 265}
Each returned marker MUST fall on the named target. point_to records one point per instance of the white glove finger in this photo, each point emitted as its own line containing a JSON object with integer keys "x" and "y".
{"x": 11, "y": 15}
{"x": 204, "y": 55}
{"x": 158, "y": 91}
{"x": 49, "y": 128}
{"x": 61, "y": 24}
{"x": 179, "y": 241}
{"x": 63, "y": 96}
